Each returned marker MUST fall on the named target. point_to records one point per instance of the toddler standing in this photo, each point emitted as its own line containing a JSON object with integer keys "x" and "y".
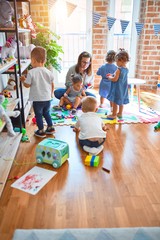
{"x": 105, "y": 84}
{"x": 40, "y": 81}
{"x": 119, "y": 85}
{"x": 90, "y": 127}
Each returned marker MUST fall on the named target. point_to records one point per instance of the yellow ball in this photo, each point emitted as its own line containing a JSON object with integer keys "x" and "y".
{"x": 68, "y": 106}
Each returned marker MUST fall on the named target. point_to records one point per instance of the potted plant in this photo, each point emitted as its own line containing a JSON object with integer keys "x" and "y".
{"x": 48, "y": 39}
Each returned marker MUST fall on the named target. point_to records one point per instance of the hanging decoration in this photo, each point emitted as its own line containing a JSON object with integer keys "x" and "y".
{"x": 124, "y": 25}
{"x": 70, "y": 8}
{"x": 96, "y": 18}
{"x": 156, "y": 29}
{"x": 111, "y": 22}
{"x": 139, "y": 27}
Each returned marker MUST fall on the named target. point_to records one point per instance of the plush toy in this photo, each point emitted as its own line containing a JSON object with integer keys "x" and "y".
{"x": 30, "y": 25}
{"x": 5, "y": 116}
{"x": 6, "y": 93}
{"x": 11, "y": 84}
{"x": 6, "y": 14}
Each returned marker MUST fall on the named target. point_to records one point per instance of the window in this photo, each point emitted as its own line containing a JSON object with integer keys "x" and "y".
{"x": 124, "y": 10}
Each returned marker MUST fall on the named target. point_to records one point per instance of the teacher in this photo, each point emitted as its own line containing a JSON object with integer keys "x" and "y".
{"x": 83, "y": 67}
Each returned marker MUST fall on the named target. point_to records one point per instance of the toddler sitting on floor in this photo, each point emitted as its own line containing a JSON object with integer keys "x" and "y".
{"x": 92, "y": 131}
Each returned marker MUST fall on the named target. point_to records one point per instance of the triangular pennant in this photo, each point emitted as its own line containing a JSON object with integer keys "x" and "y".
{"x": 111, "y": 21}
{"x": 70, "y": 8}
{"x": 51, "y": 3}
{"x": 156, "y": 29}
{"x": 124, "y": 25}
{"x": 96, "y": 18}
{"x": 139, "y": 27}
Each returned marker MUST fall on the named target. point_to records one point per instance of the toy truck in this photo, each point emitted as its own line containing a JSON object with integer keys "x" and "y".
{"x": 52, "y": 151}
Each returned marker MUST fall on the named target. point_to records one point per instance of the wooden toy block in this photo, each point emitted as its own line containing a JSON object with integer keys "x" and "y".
{"x": 92, "y": 161}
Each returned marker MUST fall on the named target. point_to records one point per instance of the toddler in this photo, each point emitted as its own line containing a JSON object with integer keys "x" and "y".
{"x": 119, "y": 85}
{"x": 105, "y": 84}
{"x": 40, "y": 81}
{"x": 74, "y": 93}
{"x": 90, "y": 127}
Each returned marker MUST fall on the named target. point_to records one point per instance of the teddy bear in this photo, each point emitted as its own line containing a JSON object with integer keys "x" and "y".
{"x": 11, "y": 84}
{"x": 5, "y": 116}
{"x": 6, "y": 14}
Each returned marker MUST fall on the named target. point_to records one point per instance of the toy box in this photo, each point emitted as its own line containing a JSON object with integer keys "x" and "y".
{"x": 92, "y": 161}
{"x": 52, "y": 151}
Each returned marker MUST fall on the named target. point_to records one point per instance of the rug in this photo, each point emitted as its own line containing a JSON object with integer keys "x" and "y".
{"x": 131, "y": 115}
{"x": 143, "y": 233}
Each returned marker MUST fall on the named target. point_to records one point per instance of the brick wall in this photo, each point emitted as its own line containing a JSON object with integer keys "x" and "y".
{"x": 99, "y": 37}
{"x": 148, "y": 47}
{"x": 40, "y": 12}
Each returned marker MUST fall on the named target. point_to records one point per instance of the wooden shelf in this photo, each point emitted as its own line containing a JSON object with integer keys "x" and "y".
{"x": 8, "y": 148}
{"x": 20, "y": 30}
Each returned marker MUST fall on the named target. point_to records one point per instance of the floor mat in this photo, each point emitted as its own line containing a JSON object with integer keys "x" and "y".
{"x": 131, "y": 114}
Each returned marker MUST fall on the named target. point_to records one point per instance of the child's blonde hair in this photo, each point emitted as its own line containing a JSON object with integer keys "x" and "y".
{"x": 89, "y": 104}
{"x": 123, "y": 55}
{"x": 39, "y": 54}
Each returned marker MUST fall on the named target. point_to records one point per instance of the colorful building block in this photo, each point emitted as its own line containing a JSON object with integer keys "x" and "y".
{"x": 92, "y": 161}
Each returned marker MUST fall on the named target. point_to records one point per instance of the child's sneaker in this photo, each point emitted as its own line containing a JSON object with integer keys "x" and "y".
{"x": 40, "y": 134}
{"x": 50, "y": 130}
{"x": 73, "y": 111}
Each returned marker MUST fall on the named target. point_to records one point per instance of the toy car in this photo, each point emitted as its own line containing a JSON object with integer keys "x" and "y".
{"x": 52, "y": 151}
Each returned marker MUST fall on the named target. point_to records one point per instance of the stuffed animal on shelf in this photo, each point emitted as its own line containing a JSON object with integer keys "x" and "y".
{"x": 5, "y": 116}
{"x": 6, "y": 93}
{"x": 30, "y": 25}
{"x": 6, "y": 14}
{"x": 11, "y": 84}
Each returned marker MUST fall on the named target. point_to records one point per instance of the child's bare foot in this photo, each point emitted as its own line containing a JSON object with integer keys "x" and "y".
{"x": 119, "y": 115}
{"x": 111, "y": 117}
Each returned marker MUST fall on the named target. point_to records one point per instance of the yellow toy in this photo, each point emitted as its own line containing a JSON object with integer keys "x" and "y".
{"x": 92, "y": 161}
{"x": 68, "y": 106}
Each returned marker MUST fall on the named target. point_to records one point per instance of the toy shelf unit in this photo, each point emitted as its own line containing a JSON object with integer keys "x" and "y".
{"x": 8, "y": 145}
{"x": 21, "y": 62}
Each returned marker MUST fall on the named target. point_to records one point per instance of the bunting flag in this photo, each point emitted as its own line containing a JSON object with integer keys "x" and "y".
{"x": 139, "y": 27}
{"x": 156, "y": 29}
{"x": 124, "y": 25}
{"x": 70, "y": 8}
{"x": 111, "y": 21}
{"x": 96, "y": 18}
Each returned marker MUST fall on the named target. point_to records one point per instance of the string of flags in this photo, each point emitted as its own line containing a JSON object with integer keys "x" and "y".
{"x": 124, "y": 24}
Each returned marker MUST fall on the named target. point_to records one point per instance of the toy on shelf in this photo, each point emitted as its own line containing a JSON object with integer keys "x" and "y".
{"x": 52, "y": 151}
{"x": 92, "y": 161}
{"x": 5, "y": 116}
{"x": 6, "y": 93}
{"x": 11, "y": 84}
{"x": 6, "y": 14}
{"x": 157, "y": 127}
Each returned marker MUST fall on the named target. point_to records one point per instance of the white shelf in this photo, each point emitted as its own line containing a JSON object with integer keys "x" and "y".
{"x": 5, "y": 67}
{"x": 8, "y": 149}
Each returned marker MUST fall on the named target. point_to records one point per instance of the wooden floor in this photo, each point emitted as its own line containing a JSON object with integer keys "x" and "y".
{"x": 87, "y": 197}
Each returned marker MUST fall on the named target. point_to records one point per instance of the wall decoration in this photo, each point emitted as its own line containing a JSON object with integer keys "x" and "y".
{"x": 96, "y": 18}
{"x": 124, "y": 25}
{"x": 139, "y": 27}
{"x": 111, "y": 22}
